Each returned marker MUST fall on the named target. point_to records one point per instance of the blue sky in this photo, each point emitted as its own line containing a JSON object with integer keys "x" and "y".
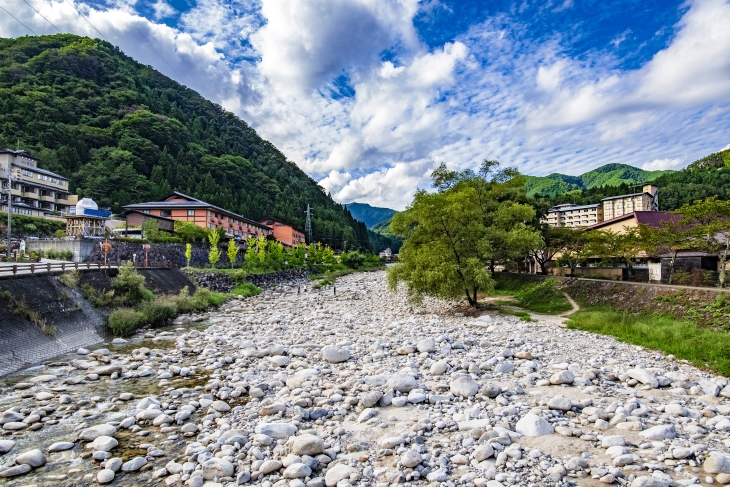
{"x": 368, "y": 96}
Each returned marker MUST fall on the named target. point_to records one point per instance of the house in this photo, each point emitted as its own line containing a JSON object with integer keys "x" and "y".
{"x": 634, "y": 219}
{"x": 386, "y": 254}
{"x": 36, "y": 192}
{"x": 181, "y": 207}
{"x": 616, "y": 206}
{"x": 573, "y": 216}
{"x": 283, "y": 232}
{"x": 137, "y": 218}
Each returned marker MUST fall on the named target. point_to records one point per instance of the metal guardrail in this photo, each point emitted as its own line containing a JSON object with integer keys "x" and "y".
{"x": 48, "y": 267}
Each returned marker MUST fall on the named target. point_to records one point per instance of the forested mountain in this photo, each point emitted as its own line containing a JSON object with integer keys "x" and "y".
{"x": 709, "y": 176}
{"x": 124, "y": 133}
{"x": 370, "y": 215}
{"x": 609, "y": 175}
{"x": 382, "y": 229}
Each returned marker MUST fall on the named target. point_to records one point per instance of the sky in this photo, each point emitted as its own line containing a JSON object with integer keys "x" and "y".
{"x": 369, "y": 96}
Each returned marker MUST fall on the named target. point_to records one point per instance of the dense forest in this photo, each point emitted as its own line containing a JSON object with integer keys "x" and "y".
{"x": 709, "y": 176}
{"x": 124, "y": 133}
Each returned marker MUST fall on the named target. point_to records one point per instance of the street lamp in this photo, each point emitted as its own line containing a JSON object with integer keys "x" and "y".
{"x": 10, "y": 202}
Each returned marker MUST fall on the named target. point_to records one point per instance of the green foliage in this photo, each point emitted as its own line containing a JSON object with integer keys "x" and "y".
{"x": 152, "y": 233}
{"x": 23, "y": 225}
{"x": 353, "y": 260}
{"x": 98, "y": 299}
{"x": 157, "y": 311}
{"x": 60, "y": 233}
{"x": 188, "y": 252}
{"x": 681, "y": 338}
{"x": 474, "y": 220}
{"x": 190, "y": 232}
{"x": 232, "y": 251}
{"x": 261, "y": 245}
{"x": 69, "y": 279}
{"x": 543, "y": 297}
{"x": 708, "y": 223}
{"x": 67, "y": 255}
{"x": 214, "y": 255}
{"x": 607, "y": 175}
{"x": 124, "y": 133}
{"x": 129, "y": 285}
{"x": 122, "y": 322}
{"x": 246, "y": 289}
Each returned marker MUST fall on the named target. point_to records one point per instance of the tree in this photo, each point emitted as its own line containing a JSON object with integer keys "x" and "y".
{"x": 574, "y": 249}
{"x": 215, "y": 254}
{"x": 232, "y": 251}
{"x": 612, "y": 247}
{"x": 189, "y": 232}
{"x": 250, "y": 255}
{"x": 150, "y": 231}
{"x": 261, "y": 244}
{"x": 671, "y": 237}
{"x": 554, "y": 241}
{"x": 188, "y": 252}
{"x": 474, "y": 220}
{"x": 709, "y": 223}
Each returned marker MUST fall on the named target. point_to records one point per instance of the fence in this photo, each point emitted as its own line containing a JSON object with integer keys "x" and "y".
{"x": 47, "y": 267}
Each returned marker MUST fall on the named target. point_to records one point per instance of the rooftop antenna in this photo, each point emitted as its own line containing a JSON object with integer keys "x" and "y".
{"x": 308, "y": 224}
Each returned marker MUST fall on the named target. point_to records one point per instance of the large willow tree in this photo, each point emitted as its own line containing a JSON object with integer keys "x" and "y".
{"x": 472, "y": 221}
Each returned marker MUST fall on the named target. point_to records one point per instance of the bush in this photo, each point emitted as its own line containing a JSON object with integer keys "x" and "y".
{"x": 129, "y": 285}
{"x": 122, "y": 322}
{"x": 100, "y": 300}
{"x": 202, "y": 299}
{"x": 246, "y": 289}
{"x": 158, "y": 311}
{"x": 59, "y": 234}
{"x": 69, "y": 279}
{"x": 352, "y": 259}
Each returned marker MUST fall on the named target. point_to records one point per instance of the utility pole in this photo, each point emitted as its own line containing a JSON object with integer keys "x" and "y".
{"x": 308, "y": 224}
{"x": 10, "y": 205}
{"x": 344, "y": 246}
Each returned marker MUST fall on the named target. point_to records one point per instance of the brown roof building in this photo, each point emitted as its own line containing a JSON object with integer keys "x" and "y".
{"x": 285, "y": 233}
{"x": 181, "y": 207}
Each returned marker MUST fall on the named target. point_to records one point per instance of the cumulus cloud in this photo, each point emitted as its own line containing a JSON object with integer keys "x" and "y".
{"x": 162, "y": 10}
{"x": 662, "y": 164}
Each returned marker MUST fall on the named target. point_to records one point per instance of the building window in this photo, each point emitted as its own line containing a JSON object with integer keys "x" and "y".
{"x": 191, "y": 212}
{"x": 164, "y": 212}
{"x": 210, "y": 226}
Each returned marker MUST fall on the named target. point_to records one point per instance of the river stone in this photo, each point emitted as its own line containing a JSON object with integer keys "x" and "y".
{"x": 562, "y": 377}
{"x": 297, "y": 471}
{"x": 427, "y": 345}
{"x": 15, "y": 426}
{"x": 307, "y": 445}
{"x": 464, "y": 386}
{"x": 338, "y": 472}
{"x": 278, "y": 431}
{"x": 220, "y": 406}
{"x": 269, "y": 466}
{"x": 6, "y": 446}
{"x": 482, "y": 452}
{"x": 440, "y": 367}
{"x": 533, "y": 425}
{"x": 105, "y": 476}
{"x": 402, "y": 383}
{"x": 104, "y": 443}
{"x": 643, "y": 376}
{"x": 60, "y": 446}
{"x": 717, "y": 462}
{"x": 134, "y": 464}
{"x": 106, "y": 370}
{"x": 11, "y": 417}
{"x": 42, "y": 378}
{"x": 43, "y": 396}
{"x": 217, "y": 467}
{"x": 370, "y": 398}
{"x": 113, "y": 464}
{"x": 410, "y": 459}
{"x": 15, "y": 471}
{"x": 647, "y": 481}
{"x": 34, "y": 458}
{"x": 335, "y": 355}
{"x": 93, "y": 432}
{"x": 560, "y": 403}
{"x": 280, "y": 360}
{"x": 661, "y": 432}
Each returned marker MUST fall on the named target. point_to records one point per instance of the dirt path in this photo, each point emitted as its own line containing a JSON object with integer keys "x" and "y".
{"x": 572, "y": 303}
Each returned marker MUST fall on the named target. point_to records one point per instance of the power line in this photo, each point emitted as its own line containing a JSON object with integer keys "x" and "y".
{"x": 88, "y": 21}
{"x": 21, "y": 23}
{"x": 44, "y": 18}
{"x": 158, "y": 53}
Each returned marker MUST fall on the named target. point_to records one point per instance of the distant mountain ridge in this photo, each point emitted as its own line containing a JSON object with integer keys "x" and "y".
{"x": 608, "y": 175}
{"x": 370, "y": 215}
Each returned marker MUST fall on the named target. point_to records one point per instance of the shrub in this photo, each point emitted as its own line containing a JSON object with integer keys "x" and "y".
{"x": 69, "y": 279}
{"x": 158, "y": 311}
{"x": 124, "y": 321}
{"x": 246, "y": 289}
{"x": 353, "y": 260}
{"x": 59, "y": 234}
{"x": 100, "y": 300}
{"x": 130, "y": 285}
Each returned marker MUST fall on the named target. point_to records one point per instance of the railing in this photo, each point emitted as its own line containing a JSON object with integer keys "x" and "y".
{"x": 47, "y": 267}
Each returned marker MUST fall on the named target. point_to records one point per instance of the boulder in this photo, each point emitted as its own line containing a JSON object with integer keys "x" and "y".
{"x": 338, "y": 472}
{"x": 307, "y": 445}
{"x": 533, "y": 425}
{"x": 464, "y": 386}
{"x": 335, "y": 355}
{"x": 34, "y": 458}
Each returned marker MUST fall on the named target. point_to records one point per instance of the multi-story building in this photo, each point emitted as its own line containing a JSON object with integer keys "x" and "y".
{"x": 573, "y": 216}
{"x": 616, "y": 206}
{"x": 36, "y": 192}
{"x": 284, "y": 233}
{"x": 182, "y": 207}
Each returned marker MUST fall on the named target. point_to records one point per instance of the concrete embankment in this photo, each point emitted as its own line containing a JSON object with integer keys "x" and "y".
{"x": 40, "y": 318}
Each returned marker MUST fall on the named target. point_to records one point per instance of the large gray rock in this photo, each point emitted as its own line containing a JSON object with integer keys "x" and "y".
{"x": 533, "y": 425}
{"x": 560, "y": 403}
{"x": 464, "y": 386}
{"x": 646, "y": 481}
{"x": 60, "y": 446}
{"x": 427, "y": 345}
{"x": 278, "y": 431}
{"x": 106, "y": 370}
{"x": 93, "y": 432}
{"x": 370, "y": 398}
{"x": 6, "y": 446}
{"x": 11, "y": 417}
{"x": 335, "y": 355}
{"x": 134, "y": 464}
{"x": 15, "y": 471}
{"x": 105, "y": 476}
{"x": 307, "y": 445}
{"x": 661, "y": 432}
{"x": 297, "y": 471}
{"x": 562, "y": 377}
{"x": 439, "y": 368}
{"x": 717, "y": 462}
{"x": 402, "y": 382}
{"x": 34, "y": 458}
{"x": 270, "y": 466}
{"x": 104, "y": 443}
{"x": 217, "y": 467}
{"x": 410, "y": 459}
{"x": 338, "y": 472}
{"x": 643, "y": 376}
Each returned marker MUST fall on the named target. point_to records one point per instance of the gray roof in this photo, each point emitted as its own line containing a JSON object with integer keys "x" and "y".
{"x": 626, "y": 196}
{"x": 570, "y": 208}
{"x": 191, "y": 203}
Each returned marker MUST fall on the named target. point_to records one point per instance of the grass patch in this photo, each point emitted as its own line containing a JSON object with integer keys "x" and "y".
{"x": 543, "y": 298}
{"x": 246, "y": 289}
{"x": 124, "y": 321}
{"x": 681, "y": 338}
{"x": 69, "y": 279}
{"x": 523, "y": 315}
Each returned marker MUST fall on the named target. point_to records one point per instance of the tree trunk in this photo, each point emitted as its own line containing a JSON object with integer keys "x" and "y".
{"x": 723, "y": 259}
{"x": 671, "y": 265}
{"x": 472, "y": 302}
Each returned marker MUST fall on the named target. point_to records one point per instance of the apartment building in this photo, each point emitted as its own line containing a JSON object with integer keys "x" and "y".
{"x": 573, "y": 216}
{"x": 283, "y": 232}
{"x": 36, "y": 192}
{"x": 179, "y": 206}
{"x": 616, "y": 206}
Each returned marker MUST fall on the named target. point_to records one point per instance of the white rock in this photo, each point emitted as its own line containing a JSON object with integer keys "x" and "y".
{"x": 464, "y": 386}
{"x": 410, "y": 458}
{"x": 661, "y": 432}
{"x": 338, "y": 472}
{"x": 643, "y": 376}
{"x": 427, "y": 345}
{"x": 533, "y": 425}
{"x": 279, "y": 431}
{"x": 92, "y": 433}
{"x": 307, "y": 445}
{"x": 335, "y": 355}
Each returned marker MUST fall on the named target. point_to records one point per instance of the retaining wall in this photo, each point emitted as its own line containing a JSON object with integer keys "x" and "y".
{"x": 170, "y": 255}
{"x": 81, "y": 248}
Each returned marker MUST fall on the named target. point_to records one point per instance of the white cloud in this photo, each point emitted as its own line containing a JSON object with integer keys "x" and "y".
{"x": 162, "y": 10}
{"x": 725, "y": 148}
{"x": 663, "y": 164}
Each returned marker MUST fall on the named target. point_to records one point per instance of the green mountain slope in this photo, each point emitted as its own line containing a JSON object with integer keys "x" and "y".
{"x": 370, "y": 215}
{"x": 383, "y": 230}
{"x": 123, "y": 133}
{"x": 608, "y": 175}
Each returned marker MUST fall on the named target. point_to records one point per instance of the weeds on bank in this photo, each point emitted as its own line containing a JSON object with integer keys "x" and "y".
{"x": 681, "y": 338}
{"x": 69, "y": 279}
{"x": 539, "y": 297}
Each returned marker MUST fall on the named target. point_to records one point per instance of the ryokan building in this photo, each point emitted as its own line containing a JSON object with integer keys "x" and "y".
{"x": 285, "y": 233}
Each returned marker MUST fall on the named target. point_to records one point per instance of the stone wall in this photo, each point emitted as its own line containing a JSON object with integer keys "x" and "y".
{"x": 81, "y": 248}
{"x": 166, "y": 255}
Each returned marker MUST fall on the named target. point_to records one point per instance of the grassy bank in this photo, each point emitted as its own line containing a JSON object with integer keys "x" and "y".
{"x": 539, "y": 297}
{"x": 681, "y": 338}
